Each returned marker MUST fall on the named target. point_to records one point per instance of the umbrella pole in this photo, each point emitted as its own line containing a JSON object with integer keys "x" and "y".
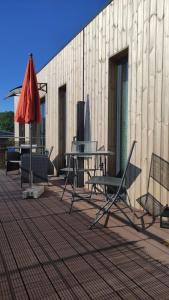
{"x": 30, "y": 156}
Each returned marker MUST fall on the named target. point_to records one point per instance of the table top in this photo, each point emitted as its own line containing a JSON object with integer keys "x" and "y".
{"x": 28, "y": 147}
{"x": 81, "y": 154}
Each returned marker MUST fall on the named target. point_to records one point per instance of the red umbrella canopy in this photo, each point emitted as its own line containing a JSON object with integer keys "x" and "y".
{"x": 28, "y": 108}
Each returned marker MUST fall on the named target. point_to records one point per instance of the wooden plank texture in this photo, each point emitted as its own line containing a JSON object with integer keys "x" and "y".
{"x": 83, "y": 65}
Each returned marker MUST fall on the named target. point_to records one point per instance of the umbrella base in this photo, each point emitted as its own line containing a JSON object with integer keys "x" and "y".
{"x": 34, "y": 192}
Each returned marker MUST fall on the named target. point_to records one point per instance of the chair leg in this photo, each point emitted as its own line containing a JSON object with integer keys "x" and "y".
{"x": 97, "y": 220}
{"x": 104, "y": 207}
{"x": 105, "y": 210}
{"x": 71, "y": 206}
{"x": 91, "y": 193}
{"x": 107, "y": 219}
{"x": 73, "y": 199}
{"x": 66, "y": 181}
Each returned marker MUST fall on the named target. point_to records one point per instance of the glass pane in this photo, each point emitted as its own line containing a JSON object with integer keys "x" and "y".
{"x": 121, "y": 115}
{"x": 124, "y": 115}
{"x": 42, "y": 125}
{"x": 118, "y": 117}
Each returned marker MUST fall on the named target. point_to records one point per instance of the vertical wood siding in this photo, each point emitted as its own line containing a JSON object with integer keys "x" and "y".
{"x": 142, "y": 26}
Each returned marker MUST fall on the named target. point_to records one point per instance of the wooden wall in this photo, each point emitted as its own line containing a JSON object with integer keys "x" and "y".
{"x": 65, "y": 68}
{"x": 142, "y": 26}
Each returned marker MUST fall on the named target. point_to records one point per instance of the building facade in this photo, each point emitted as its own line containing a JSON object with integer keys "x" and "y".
{"x": 118, "y": 65}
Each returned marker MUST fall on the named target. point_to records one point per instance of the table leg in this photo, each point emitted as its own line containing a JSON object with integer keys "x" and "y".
{"x": 75, "y": 166}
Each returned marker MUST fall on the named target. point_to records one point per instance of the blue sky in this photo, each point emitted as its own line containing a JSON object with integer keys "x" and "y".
{"x": 38, "y": 26}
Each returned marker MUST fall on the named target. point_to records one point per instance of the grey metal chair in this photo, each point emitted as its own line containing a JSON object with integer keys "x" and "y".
{"x": 159, "y": 171}
{"x": 108, "y": 181}
{"x": 73, "y": 164}
{"x": 39, "y": 168}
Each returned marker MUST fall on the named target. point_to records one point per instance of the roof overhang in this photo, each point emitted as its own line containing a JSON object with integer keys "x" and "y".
{"x": 17, "y": 90}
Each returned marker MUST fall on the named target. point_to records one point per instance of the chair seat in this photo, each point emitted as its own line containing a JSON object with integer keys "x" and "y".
{"x": 105, "y": 180}
{"x": 79, "y": 170}
{"x": 151, "y": 204}
{"x": 66, "y": 170}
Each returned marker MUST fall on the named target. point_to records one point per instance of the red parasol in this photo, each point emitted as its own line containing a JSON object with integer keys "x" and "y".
{"x": 28, "y": 108}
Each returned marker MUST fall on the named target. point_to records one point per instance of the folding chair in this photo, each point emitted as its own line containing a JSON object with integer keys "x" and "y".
{"x": 107, "y": 181}
{"x": 159, "y": 172}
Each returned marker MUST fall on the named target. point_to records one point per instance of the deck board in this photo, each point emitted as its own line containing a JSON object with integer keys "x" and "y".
{"x": 47, "y": 253}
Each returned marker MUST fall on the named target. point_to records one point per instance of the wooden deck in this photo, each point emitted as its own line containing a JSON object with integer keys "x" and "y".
{"x": 46, "y": 253}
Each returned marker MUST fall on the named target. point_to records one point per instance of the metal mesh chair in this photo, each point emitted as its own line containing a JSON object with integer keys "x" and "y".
{"x": 107, "y": 181}
{"x": 159, "y": 171}
{"x": 39, "y": 168}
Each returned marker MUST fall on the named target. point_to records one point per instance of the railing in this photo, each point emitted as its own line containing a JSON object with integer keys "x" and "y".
{"x": 9, "y": 143}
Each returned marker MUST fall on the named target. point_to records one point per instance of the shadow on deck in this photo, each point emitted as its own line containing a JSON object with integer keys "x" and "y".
{"x": 46, "y": 253}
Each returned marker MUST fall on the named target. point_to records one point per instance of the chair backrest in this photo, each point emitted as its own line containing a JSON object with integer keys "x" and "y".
{"x": 126, "y": 168}
{"x": 10, "y": 149}
{"x": 25, "y": 148}
{"x": 159, "y": 171}
{"x": 12, "y": 156}
{"x": 84, "y": 146}
{"x": 99, "y": 159}
{"x": 150, "y": 204}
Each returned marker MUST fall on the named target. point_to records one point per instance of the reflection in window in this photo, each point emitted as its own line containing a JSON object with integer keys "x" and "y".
{"x": 43, "y": 123}
{"x": 122, "y": 113}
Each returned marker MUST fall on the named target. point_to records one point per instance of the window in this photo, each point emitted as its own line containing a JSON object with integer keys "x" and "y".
{"x": 42, "y": 130}
{"x": 62, "y": 126}
{"x": 118, "y": 111}
{"x": 38, "y": 130}
{"x": 122, "y": 114}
